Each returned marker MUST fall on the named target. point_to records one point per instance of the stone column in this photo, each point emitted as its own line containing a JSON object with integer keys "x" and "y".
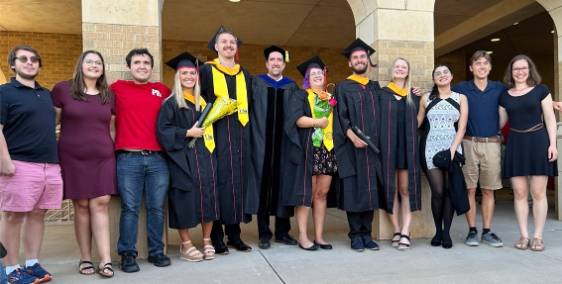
{"x": 114, "y": 28}
{"x": 400, "y": 28}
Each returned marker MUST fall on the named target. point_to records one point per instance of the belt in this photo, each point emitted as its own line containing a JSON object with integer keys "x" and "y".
{"x": 139, "y": 152}
{"x": 491, "y": 139}
{"x": 530, "y": 129}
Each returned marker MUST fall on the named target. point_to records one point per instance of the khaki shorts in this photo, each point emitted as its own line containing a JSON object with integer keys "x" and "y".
{"x": 483, "y": 162}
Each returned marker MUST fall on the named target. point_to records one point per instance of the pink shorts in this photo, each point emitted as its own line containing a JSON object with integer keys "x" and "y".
{"x": 33, "y": 186}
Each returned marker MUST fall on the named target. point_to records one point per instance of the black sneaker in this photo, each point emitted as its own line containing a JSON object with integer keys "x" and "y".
{"x": 129, "y": 262}
{"x": 159, "y": 260}
{"x": 357, "y": 244}
{"x": 368, "y": 243}
{"x": 264, "y": 244}
{"x": 492, "y": 240}
{"x": 472, "y": 239}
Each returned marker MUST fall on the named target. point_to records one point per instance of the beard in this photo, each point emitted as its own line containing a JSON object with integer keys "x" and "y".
{"x": 359, "y": 69}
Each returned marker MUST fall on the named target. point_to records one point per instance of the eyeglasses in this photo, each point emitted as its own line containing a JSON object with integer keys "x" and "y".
{"x": 518, "y": 69}
{"x": 439, "y": 73}
{"x": 92, "y": 62}
{"x": 24, "y": 59}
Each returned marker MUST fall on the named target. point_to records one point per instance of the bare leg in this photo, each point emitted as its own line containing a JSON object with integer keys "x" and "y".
{"x": 301, "y": 214}
{"x": 471, "y": 214}
{"x": 405, "y": 204}
{"x": 540, "y": 203}
{"x": 206, "y": 230}
{"x": 33, "y": 230}
{"x": 487, "y": 208}
{"x": 319, "y": 208}
{"x": 10, "y": 231}
{"x": 82, "y": 229}
{"x": 99, "y": 213}
{"x": 521, "y": 191}
{"x": 394, "y": 217}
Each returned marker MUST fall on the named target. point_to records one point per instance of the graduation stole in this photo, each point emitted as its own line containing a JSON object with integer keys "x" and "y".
{"x": 208, "y": 136}
{"x": 326, "y": 133}
{"x": 359, "y": 79}
{"x": 397, "y": 90}
{"x": 221, "y": 89}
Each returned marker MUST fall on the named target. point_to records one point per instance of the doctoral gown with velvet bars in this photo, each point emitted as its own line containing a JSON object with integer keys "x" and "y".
{"x": 390, "y": 127}
{"x": 237, "y": 201}
{"x": 193, "y": 197}
{"x": 359, "y": 169}
{"x": 297, "y": 159}
{"x": 269, "y": 100}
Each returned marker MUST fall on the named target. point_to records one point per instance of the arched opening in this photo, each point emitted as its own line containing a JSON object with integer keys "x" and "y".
{"x": 504, "y": 30}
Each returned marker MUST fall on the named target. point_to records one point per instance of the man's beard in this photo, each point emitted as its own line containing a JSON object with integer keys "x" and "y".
{"x": 357, "y": 70}
{"x": 27, "y": 77}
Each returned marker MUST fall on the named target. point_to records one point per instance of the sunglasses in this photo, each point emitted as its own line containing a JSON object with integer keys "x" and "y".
{"x": 24, "y": 59}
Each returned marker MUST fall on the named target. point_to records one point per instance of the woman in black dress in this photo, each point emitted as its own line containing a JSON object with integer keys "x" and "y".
{"x": 400, "y": 151}
{"x": 531, "y": 148}
{"x": 193, "y": 195}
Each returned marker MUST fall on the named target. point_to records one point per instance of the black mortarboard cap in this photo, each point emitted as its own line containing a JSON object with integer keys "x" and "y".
{"x": 184, "y": 59}
{"x": 213, "y": 40}
{"x": 357, "y": 44}
{"x": 274, "y": 48}
{"x": 312, "y": 62}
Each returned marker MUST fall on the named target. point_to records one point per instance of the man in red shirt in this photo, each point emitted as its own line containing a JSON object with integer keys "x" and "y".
{"x": 141, "y": 168}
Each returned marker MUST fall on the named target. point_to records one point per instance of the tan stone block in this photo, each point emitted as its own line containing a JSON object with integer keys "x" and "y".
{"x": 420, "y": 5}
{"x": 391, "y": 4}
{"x": 121, "y": 12}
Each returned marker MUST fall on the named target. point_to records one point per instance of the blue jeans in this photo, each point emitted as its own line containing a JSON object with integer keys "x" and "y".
{"x": 139, "y": 175}
{"x": 3, "y": 277}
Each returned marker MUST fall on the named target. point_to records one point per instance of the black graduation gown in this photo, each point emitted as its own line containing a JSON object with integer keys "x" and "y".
{"x": 297, "y": 160}
{"x": 388, "y": 142}
{"x": 237, "y": 201}
{"x": 193, "y": 195}
{"x": 357, "y": 105}
{"x": 267, "y": 135}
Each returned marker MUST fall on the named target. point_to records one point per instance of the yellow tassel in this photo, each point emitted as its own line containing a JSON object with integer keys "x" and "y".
{"x": 286, "y": 56}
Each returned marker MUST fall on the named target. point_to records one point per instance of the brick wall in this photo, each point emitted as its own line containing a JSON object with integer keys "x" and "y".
{"x": 59, "y": 53}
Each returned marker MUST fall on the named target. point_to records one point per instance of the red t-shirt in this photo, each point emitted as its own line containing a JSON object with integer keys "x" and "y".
{"x": 136, "y": 114}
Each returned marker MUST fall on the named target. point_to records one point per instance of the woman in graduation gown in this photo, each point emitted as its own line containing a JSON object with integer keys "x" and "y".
{"x": 308, "y": 169}
{"x": 400, "y": 152}
{"x": 193, "y": 194}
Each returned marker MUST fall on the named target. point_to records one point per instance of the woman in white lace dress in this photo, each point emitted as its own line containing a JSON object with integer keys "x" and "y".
{"x": 444, "y": 115}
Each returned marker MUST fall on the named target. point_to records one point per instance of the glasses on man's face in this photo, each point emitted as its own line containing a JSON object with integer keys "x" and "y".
{"x": 442, "y": 73}
{"x": 24, "y": 59}
{"x": 93, "y": 62}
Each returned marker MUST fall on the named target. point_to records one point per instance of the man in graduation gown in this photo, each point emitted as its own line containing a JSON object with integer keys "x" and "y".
{"x": 269, "y": 99}
{"x": 358, "y": 164}
{"x": 223, "y": 77}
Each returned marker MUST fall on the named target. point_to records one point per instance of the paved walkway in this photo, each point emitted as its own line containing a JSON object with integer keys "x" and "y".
{"x": 288, "y": 264}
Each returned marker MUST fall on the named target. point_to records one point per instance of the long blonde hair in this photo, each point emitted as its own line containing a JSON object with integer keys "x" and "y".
{"x": 177, "y": 92}
{"x": 408, "y": 80}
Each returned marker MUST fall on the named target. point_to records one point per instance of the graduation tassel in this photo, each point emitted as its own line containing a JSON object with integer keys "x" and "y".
{"x": 287, "y": 56}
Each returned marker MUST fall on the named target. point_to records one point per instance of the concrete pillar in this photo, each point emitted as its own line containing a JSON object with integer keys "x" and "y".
{"x": 113, "y": 28}
{"x": 380, "y": 23}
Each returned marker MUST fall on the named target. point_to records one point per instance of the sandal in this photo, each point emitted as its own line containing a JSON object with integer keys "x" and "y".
{"x": 106, "y": 270}
{"x": 404, "y": 245}
{"x": 537, "y": 244}
{"x": 191, "y": 254}
{"x": 86, "y": 267}
{"x": 522, "y": 244}
{"x": 396, "y": 239}
{"x": 208, "y": 249}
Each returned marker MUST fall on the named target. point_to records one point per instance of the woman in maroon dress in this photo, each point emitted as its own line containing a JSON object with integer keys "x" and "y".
{"x": 84, "y": 108}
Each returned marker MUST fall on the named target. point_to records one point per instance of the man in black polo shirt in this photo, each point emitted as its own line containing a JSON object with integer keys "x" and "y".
{"x": 30, "y": 177}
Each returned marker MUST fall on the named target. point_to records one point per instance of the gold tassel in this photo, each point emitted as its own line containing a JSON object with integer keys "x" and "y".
{"x": 286, "y": 56}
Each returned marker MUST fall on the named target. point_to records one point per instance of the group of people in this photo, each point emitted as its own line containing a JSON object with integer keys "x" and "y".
{"x": 282, "y": 150}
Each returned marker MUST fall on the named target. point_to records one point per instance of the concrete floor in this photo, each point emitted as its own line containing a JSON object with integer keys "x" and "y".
{"x": 288, "y": 264}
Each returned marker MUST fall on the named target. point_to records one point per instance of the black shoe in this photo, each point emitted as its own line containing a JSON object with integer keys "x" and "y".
{"x": 323, "y": 246}
{"x": 129, "y": 262}
{"x": 159, "y": 260}
{"x": 447, "y": 242}
{"x": 239, "y": 245}
{"x": 357, "y": 244}
{"x": 220, "y": 247}
{"x": 437, "y": 240}
{"x": 313, "y": 247}
{"x": 264, "y": 244}
{"x": 368, "y": 243}
{"x": 287, "y": 240}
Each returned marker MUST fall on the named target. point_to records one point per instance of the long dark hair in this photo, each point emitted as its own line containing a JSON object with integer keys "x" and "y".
{"x": 78, "y": 84}
{"x": 434, "y": 91}
{"x": 534, "y": 76}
